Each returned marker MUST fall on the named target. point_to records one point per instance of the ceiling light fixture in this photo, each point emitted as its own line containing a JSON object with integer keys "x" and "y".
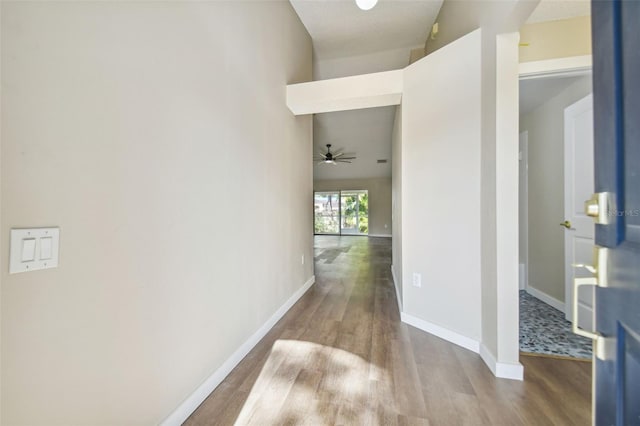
{"x": 332, "y": 158}
{"x": 366, "y": 4}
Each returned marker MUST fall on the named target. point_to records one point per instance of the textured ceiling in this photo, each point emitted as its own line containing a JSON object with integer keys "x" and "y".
{"x": 340, "y": 29}
{"x": 349, "y": 41}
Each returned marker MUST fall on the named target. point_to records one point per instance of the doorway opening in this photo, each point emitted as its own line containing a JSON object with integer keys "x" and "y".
{"x": 341, "y": 212}
{"x": 556, "y": 175}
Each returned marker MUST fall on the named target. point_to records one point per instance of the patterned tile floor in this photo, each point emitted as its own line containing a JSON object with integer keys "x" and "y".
{"x": 544, "y": 330}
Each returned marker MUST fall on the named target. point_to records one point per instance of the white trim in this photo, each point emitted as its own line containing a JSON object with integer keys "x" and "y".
{"x": 545, "y": 298}
{"x": 522, "y": 276}
{"x": 501, "y": 369}
{"x": 395, "y": 285}
{"x": 346, "y": 93}
{"x": 504, "y": 299}
{"x": 572, "y": 65}
{"x": 443, "y": 333}
{"x": 188, "y": 406}
{"x": 380, "y": 235}
{"x": 523, "y": 214}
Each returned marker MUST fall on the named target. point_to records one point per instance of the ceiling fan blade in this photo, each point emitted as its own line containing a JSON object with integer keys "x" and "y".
{"x": 343, "y": 161}
{"x": 348, "y": 158}
{"x": 338, "y": 155}
{"x": 323, "y": 154}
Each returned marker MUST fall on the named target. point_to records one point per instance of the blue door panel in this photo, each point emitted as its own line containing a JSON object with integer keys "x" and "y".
{"x": 607, "y": 106}
{"x": 627, "y": 372}
{"x": 630, "y": 44}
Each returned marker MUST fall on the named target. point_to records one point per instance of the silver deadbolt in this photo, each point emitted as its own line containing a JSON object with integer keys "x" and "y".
{"x": 591, "y": 206}
{"x": 599, "y": 207}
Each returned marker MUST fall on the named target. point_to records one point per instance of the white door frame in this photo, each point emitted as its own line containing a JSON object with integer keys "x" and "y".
{"x": 559, "y": 67}
{"x": 569, "y": 66}
{"x": 523, "y": 196}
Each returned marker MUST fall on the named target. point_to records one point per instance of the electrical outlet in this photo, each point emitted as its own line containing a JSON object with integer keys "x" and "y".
{"x": 417, "y": 280}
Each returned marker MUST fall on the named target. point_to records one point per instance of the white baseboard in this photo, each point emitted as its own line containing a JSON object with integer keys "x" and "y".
{"x": 380, "y": 235}
{"x": 546, "y": 298}
{"x": 501, "y": 369}
{"x": 188, "y": 406}
{"x": 443, "y": 333}
{"x": 395, "y": 285}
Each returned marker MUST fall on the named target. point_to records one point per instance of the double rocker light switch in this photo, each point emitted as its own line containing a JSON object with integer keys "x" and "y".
{"x": 33, "y": 249}
{"x": 28, "y": 250}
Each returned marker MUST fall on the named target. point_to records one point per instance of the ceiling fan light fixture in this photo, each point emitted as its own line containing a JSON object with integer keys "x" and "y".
{"x": 332, "y": 158}
{"x": 366, "y": 4}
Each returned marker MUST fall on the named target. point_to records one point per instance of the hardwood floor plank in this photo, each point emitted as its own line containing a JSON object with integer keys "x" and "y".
{"x": 341, "y": 356}
{"x": 296, "y": 407}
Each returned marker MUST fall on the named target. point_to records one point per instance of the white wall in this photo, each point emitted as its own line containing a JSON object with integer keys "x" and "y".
{"x": 499, "y": 273}
{"x": 154, "y": 134}
{"x": 460, "y": 17}
{"x": 396, "y": 200}
{"x": 441, "y": 139}
{"x": 545, "y": 126}
{"x": 379, "y": 199}
{"x": 563, "y": 38}
{"x": 363, "y": 64}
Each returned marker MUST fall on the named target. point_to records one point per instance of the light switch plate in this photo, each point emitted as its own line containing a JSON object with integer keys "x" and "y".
{"x": 33, "y": 249}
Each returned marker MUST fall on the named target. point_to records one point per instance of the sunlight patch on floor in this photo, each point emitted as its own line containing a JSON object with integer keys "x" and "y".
{"x": 304, "y": 382}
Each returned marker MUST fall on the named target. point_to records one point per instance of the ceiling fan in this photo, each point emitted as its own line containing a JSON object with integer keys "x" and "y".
{"x": 331, "y": 158}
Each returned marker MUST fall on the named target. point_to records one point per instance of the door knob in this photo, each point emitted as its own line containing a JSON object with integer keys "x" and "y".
{"x": 566, "y": 224}
{"x": 577, "y": 283}
{"x": 599, "y": 267}
{"x": 604, "y": 348}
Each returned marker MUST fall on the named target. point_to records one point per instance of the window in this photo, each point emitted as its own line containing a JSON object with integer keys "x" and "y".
{"x": 341, "y": 212}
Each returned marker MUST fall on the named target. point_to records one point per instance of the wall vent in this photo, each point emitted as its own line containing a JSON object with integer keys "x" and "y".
{"x": 382, "y": 161}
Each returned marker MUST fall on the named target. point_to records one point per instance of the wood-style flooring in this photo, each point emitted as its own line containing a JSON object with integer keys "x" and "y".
{"x": 341, "y": 356}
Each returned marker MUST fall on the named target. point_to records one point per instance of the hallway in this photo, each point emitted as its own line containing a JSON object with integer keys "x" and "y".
{"x": 342, "y": 356}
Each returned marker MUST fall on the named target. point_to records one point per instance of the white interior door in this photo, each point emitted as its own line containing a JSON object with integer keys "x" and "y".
{"x": 578, "y": 187}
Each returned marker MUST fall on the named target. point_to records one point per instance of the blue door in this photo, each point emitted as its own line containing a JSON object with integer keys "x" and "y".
{"x": 616, "y": 96}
